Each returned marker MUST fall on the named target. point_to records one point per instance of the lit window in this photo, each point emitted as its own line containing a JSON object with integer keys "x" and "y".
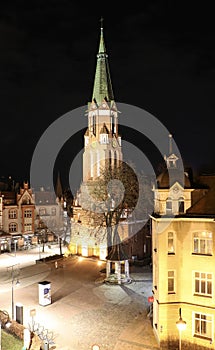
{"x": 202, "y": 243}
{"x": 203, "y": 325}
{"x": 171, "y": 243}
{"x": 203, "y": 283}
{"x": 12, "y": 214}
{"x": 171, "y": 281}
{"x": 27, "y": 227}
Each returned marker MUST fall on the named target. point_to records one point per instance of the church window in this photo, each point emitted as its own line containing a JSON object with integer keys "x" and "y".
{"x": 115, "y": 159}
{"x": 94, "y": 124}
{"x": 110, "y": 156}
{"x": 112, "y": 124}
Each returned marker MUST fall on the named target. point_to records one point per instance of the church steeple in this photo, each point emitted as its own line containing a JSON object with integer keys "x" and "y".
{"x": 102, "y": 89}
{"x": 101, "y": 140}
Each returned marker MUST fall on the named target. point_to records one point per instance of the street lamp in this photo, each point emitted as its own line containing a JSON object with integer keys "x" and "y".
{"x": 181, "y": 325}
{"x": 13, "y": 277}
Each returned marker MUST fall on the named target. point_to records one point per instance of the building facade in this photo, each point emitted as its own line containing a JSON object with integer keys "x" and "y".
{"x": 24, "y": 215}
{"x": 183, "y": 255}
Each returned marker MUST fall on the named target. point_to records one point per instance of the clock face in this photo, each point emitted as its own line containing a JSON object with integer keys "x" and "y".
{"x": 176, "y": 189}
{"x": 94, "y": 144}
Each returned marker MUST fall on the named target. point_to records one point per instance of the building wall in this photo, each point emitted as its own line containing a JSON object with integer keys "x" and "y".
{"x": 184, "y": 262}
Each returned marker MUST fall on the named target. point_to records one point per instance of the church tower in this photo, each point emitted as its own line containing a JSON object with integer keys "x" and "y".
{"x": 102, "y": 143}
{"x": 102, "y": 149}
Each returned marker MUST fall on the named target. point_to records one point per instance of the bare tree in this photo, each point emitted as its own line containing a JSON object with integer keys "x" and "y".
{"x": 120, "y": 193}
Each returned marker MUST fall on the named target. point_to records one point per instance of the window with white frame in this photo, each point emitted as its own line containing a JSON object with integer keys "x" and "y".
{"x": 28, "y": 213}
{"x": 12, "y": 227}
{"x": 171, "y": 243}
{"x": 203, "y": 283}
{"x": 12, "y": 214}
{"x": 27, "y": 227}
{"x": 171, "y": 281}
{"x": 202, "y": 242}
{"x": 203, "y": 325}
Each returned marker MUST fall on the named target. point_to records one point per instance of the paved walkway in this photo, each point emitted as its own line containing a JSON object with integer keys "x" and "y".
{"x": 84, "y": 310}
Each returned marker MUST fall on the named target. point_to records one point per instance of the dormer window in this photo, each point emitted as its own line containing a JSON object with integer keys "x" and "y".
{"x": 171, "y": 161}
{"x": 168, "y": 205}
{"x": 181, "y": 205}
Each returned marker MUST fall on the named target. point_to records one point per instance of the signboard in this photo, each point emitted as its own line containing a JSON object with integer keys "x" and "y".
{"x": 44, "y": 293}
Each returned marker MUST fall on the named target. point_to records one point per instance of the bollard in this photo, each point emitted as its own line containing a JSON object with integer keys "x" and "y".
{"x": 46, "y": 346}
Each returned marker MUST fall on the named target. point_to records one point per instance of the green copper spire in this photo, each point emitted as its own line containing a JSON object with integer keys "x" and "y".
{"x": 102, "y": 84}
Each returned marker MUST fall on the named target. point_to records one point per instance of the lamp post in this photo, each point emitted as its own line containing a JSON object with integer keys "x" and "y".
{"x": 39, "y": 241}
{"x": 13, "y": 277}
{"x": 181, "y": 325}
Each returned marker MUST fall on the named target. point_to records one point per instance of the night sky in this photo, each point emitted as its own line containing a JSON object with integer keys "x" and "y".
{"x": 161, "y": 58}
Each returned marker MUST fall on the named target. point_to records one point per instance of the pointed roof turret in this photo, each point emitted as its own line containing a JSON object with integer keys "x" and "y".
{"x": 102, "y": 83}
{"x": 173, "y": 172}
{"x": 58, "y": 187}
